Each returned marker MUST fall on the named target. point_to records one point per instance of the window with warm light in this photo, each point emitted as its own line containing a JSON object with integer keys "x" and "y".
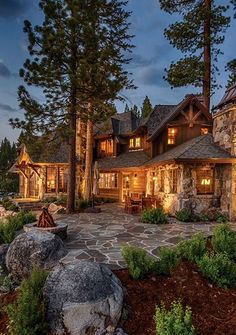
{"x": 62, "y": 179}
{"x": 162, "y": 180}
{"x": 106, "y": 147}
{"x": 173, "y": 180}
{"x": 51, "y": 177}
{"x": 205, "y": 181}
{"x": 108, "y": 180}
{"x": 135, "y": 143}
{"x": 172, "y": 135}
{"x": 204, "y": 131}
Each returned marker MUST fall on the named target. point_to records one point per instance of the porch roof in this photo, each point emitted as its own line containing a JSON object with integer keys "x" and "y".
{"x": 126, "y": 160}
{"x": 199, "y": 148}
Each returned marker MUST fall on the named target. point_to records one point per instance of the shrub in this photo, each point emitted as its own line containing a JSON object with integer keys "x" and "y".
{"x": 82, "y": 204}
{"x": 224, "y": 240}
{"x": 50, "y": 200}
{"x": 184, "y": 215}
{"x": 176, "y": 321}
{"x": 9, "y": 205}
{"x": 194, "y": 248}
{"x": 154, "y": 216}
{"x": 13, "y": 223}
{"x": 8, "y": 282}
{"x": 169, "y": 259}
{"x": 221, "y": 218}
{"x": 27, "y": 314}
{"x": 203, "y": 217}
{"x": 219, "y": 269}
{"x": 138, "y": 261}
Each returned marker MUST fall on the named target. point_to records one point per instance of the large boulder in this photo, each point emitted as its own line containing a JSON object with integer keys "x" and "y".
{"x": 34, "y": 248}
{"x": 3, "y": 253}
{"x": 82, "y": 297}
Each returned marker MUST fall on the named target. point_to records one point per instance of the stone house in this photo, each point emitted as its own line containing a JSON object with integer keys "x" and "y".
{"x": 180, "y": 153}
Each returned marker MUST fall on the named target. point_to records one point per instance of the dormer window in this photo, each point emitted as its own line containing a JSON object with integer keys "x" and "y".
{"x": 204, "y": 131}
{"x": 135, "y": 143}
{"x": 106, "y": 147}
{"x": 172, "y": 135}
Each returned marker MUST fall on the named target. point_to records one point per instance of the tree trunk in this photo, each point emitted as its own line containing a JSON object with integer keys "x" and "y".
{"x": 72, "y": 161}
{"x": 80, "y": 152}
{"x": 88, "y": 161}
{"x": 207, "y": 55}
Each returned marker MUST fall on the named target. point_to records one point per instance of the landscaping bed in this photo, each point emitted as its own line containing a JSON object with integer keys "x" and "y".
{"x": 213, "y": 308}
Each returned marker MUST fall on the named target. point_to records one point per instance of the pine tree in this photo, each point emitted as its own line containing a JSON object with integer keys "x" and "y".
{"x": 76, "y": 58}
{"x": 105, "y": 42}
{"x": 231, "y": 68}
{"x": 147, "y": 107}
{"x": 135, "y": 111}
{"x": 198, "y": 36}
{"x": 8, "y": 155}
{"x": 126, "y": 108}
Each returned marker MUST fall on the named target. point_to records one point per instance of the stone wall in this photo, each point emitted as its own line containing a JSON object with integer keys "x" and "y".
{"x": 186, "y": 195}
{"x": 224, "y": 129}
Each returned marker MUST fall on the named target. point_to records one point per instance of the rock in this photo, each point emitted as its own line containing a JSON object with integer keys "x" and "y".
{"x": 3, "y": 252}
{"x": 82, "y": 298}
{"x": 56, "y": 209}
{"x": 61, "y": 210}
{"x": 34, "y": 248}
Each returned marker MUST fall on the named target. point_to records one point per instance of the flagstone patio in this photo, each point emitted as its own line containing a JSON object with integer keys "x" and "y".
{"x": 100, "y": 237}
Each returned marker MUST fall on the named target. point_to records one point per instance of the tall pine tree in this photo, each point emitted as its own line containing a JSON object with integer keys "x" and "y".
{"x": 105, "y": 42}
{"x": 8, "y": 155}
{"x": 76, "y": 59}
{"x": 231, "y": 65}
{"x": 146, "y": 107}
{"x": 198, "y": 36}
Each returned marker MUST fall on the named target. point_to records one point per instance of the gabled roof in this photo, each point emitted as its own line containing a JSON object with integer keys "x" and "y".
{"x": 119, "y": 124}
{"x": 174, "y": 110}
{"x": 127, "y": 160}
{"x": 229, "y": 97}
{"x": 199, "y": 148}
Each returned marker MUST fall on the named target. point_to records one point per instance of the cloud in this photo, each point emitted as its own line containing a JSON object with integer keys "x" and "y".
{"x": 13, "y": 8}
{"x": 7, "y": 108}
{"x": 5, "y": 72}
{"x": 151, "y": 76}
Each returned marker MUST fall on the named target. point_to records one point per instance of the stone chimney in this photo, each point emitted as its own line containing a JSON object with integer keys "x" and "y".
{"x": 224, "y": 121}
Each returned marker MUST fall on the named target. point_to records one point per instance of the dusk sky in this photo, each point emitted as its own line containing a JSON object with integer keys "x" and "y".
{"x": 152, "y": 55}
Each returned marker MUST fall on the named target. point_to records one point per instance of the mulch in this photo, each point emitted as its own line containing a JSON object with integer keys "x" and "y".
{"x": 213, "y": 308}
{"x": 5, "y": 299}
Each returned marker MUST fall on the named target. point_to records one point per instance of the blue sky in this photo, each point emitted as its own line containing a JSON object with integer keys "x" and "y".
{"x": 152, "y": 55}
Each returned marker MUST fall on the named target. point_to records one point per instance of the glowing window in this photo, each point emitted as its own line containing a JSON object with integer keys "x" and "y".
{"x": 135, "y": 142}
{"x": 108, "y": 180}
{"x": 173, "y": 180}
{"x": 205, "y": 181}
{"x": 204, "y": 131}
{"x": 106, "y": 146}
{"x": 172, "y": 135}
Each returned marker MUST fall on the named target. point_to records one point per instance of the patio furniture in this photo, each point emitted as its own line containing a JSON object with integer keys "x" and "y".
{"x": 132, "y": 207}
{"x": 150, "y": 202}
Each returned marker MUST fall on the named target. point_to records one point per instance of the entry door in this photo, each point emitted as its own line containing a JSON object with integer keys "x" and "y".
{"x": 34, "y": 186}
{"x": 126, "y": 180}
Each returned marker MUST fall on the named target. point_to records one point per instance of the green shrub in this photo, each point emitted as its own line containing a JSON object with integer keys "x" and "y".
{"x": 82, "y": 204}
{"x": 13, "y": 223}
{"x": 219, "y": 269}
{"x": 9, "y": 205}
{"x": 50, "y": 200}
{"x": 61, "y": 200}
{"x": 138, "y": 261}
{"x": 154, "y": 216}
{"x": 27, "y": 314}
{"x": 8, "y": 282}
{"x": 176, "y": 321}
{"x": 221, "y": 218}
{"x": 224, "y": 240}
{"x": 101, "y": 200}
{"x": 194, "y": 248}
{"x": 184, "y": 215}
{"x": 203, "y": 217}
{"x": 169, "y": 259}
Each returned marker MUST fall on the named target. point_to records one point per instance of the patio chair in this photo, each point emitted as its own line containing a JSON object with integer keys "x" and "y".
{"x": 131, "y": 207}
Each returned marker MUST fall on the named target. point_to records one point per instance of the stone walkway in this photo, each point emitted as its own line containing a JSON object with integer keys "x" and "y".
{"x": 100, "y": 237}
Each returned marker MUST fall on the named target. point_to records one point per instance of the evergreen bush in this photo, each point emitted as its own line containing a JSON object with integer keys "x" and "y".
{"x": 169, "y": 259}
{"x": 138, "y": 261}
{"x": 219, "y": 269}
{"x": 224, "y": 240}
{"x": 154, "y": 216}
{"x": 184, "y": 215}
{"x": 27, "y": 314}
{"x": 193, "y": 249}
{"x": 176, "y": 321}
